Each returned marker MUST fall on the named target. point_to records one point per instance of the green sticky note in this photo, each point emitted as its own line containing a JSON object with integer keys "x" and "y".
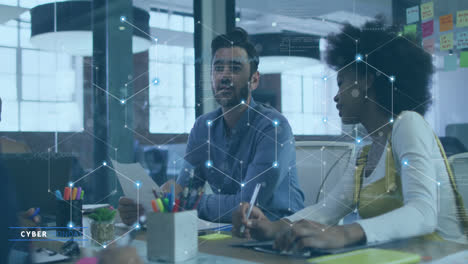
{"x": 215, "y": 236}
{"x": 464, "y": 59}
{"x": 410, "y": 29}
{"x": 450, "y": 62}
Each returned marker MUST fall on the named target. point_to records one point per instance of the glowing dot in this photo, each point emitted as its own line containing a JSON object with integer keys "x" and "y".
{"x": 138, "y": 183}
{"x": 242, "y": 185}
{"x": 275, "y": 164}
{"x": 438, "y": 183}
{"x": 104, "y": 163}
{"x": 275, "y": 123}
{"x": 137, "y": 226}
{"x": 123, "y": 18}
{"x": 209, "y": 122}
{"x": 274, "y": 24}
{"x": 70, "y": 225}
{"x": 156, "y": 39}
{"x": 237, "y": 19}
{"x": 358, "y": 140}
{"x": 392, "y": 78}
{"x": 156, "y": 81}
{"x": 391, "y": 120}
{"x": 209, "y": 164}
{"x": 242, "y": 102}
{"x": 324, "y": 120}
{"x": 70, "y": 184}
{"x": 358, "y": 57}
{"x": 104, "y": 246}
{"x": 325, "y": 78}
{"x": 122, "y": 101}
{"x": 405, "y": 162}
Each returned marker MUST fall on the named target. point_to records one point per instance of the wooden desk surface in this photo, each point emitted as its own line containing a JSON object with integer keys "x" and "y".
{"x": 432, "y": 249}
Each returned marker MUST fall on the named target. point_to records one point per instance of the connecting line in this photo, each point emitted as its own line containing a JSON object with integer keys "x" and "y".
{"x": 139, "y": 29}
{"x": 420, "y": 173}
{"x": 193, "y": 150}
{"x": 121, "y": 174}
{"x": 133, "y": 95}
{"x": 140, "y": 135}
{"x": 225, "y": 113}
{"x": 67, "y": 138}
{"x": 369, "y": 134}
{"x": 98, "y": 139}
{"x": 368, "y": 64}
{"x": 223, "y": 152}
{"x": 416, "y": 45}
{"x": 260, "y": 174}
{"x": 212, "y": 31}
{"x": 110, "y": 194}
{"x": 124, "y": 234}
{"x": 134, "y": 79}
{"x": 369, "y": 53}
{"x": 91, "y": 239}
{"x": 263, "y": 133}
{"x": 113, "y": 96}
{"x": 87, "y": 174}
{"x": 392, "y": 99}
{"x": 259, "y": 112}
{"x": 276, "y": 143}
{"x": 226, "y": 175}
{"x": 381, "y": 106}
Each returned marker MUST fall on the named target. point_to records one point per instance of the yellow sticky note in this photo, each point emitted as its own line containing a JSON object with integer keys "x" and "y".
{"x": 446, "y": 41}
{"x": 446, "y": 23}
{"x": 368, "y": 256}
{"x": 464, "y": 59}
{"x": 427, "y": 10}
{"x": 215, "y": 236}
{"x": 462, "y": 18}
{"x": 410, "y": 29}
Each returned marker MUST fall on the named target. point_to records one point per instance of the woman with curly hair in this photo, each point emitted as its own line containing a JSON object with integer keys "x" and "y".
{"x": 401, "y": 185}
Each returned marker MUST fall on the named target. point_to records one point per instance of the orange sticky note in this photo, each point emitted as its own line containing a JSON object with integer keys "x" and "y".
{"x": 446, "y": 41}
{"x": 462, "y": 18}
{"x": 445, "y": 23}
{"x": 427, "y": 11}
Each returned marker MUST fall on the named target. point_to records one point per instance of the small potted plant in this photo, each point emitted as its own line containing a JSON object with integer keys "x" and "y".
{"x": 102, "y": 224}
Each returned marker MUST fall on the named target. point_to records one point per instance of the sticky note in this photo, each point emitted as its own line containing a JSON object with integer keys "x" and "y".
{"x": 462, "y": 40}
{"x": 427, "y": 11}
{"x": 215, "y": 236}
{"x": 446, "y": 41}
{"x": 412, "y": 14}
{"x": 450, "y": 62}
{"x": 428, "y": 45}
{"x": 462, "y": 18}
{"x": 446, "y": 23}
{"x": 464, "y": 59}
{"x": 427, "y": 28}
{"x": 410, "y": 29}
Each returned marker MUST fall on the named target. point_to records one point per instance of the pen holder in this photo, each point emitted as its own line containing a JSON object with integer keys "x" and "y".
{"x": 172, "y": 237}
{"x": 69, "y": 212}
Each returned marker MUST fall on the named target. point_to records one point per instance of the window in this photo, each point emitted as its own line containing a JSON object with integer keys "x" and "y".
{"x": 307, "y": 102}
{"x": 172, "y": 77}
{"x": 40, "y": 90}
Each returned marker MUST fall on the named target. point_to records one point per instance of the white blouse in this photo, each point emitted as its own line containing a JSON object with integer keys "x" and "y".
{"x": 429, "y": 203}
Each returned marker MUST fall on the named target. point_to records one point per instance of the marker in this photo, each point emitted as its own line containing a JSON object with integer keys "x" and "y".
{"x": 160, "y": 205}
{"x": 66, "y": 194}
{"x": 82, "y": 194}
{"x": 155, "y": 207}
{"x": 36, "y": 212}
{"x": 252, "y": 202}
{"x": 176, "y": 206}
{"x": 78, "y": 194}
{"x": 166, "y": 204}
{"x": 58, "y": 195}
{"x": 200, "y": 194}
{"x": 74, "y": 193}
{"x": 156, "y": 196}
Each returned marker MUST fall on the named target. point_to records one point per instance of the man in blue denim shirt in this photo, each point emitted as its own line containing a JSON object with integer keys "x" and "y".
{"x": 242, "y": 143}
{"x": 238, "y": 145}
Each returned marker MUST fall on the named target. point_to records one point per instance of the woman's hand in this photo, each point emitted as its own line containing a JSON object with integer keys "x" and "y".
{"x": 308, "y": 234}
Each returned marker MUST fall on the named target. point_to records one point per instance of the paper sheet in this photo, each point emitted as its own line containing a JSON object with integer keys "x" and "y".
{"x": 131, "y": 173}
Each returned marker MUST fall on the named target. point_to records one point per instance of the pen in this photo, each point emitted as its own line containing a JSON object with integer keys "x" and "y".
{"x": 74, "y": 194}
{"x": 200, "y": 194}
{"x": 36, "y": 212}
{"x": 176, "y": 206}
{"x": 82, "y": 194}
{"x": 160, "y": 205}
{"x": 66, "y": 194}
{"x": 252, "y": 202}
{"x": 156, "y": 196}
{"x": 78, "y": 194}
{"x": 58, "y": 195}
{"x": 153, "y": 204}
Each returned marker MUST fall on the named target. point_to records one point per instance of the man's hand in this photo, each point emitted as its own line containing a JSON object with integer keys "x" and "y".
{"x": 118, "y": 255}
{"x": 257, "y": 226}
{"x": 128, "y": 210}
{"x": 24, "y": 218}
{"x": 308, "y": 234}
{"x": 166, "y": 187}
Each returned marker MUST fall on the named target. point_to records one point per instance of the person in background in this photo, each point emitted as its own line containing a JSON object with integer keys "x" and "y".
{"x": 239, "y": 145}
{"x": 402, "y": 185}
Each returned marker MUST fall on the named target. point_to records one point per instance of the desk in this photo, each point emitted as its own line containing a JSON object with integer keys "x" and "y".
{"x": 434, "y": 249}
